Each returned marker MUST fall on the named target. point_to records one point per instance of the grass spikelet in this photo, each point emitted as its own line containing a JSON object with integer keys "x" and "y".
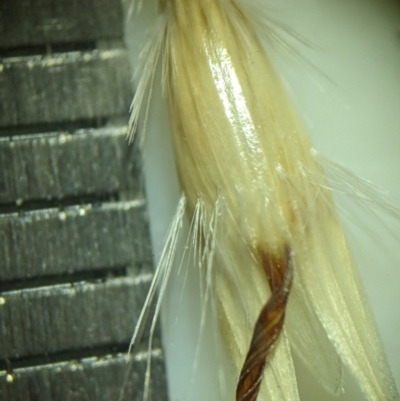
{"x": 275, "y": 268}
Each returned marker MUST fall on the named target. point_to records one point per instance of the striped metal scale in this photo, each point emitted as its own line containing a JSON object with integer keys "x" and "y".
{"x": 75, "y": 252}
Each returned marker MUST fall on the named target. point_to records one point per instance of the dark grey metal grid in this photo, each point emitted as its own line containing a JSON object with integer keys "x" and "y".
{"x": 75, "y": 256}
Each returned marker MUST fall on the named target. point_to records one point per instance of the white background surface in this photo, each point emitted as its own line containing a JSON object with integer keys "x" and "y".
{"x": 349, "y": 100}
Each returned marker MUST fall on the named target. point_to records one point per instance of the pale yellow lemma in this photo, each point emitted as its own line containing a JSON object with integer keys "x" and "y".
{"x": 247, "y": 168}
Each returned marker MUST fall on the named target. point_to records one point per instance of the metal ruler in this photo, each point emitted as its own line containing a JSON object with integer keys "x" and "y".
{"x": 75, "y": 255}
